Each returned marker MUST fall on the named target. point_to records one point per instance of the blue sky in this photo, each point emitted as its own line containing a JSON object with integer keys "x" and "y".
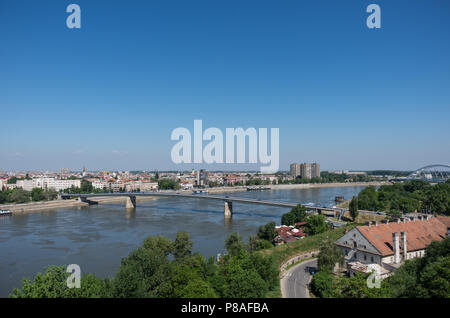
{"x": 108, "y": 96}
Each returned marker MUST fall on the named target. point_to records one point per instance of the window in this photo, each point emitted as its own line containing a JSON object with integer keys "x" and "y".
{"x": 371, "y": 259}
{"x": 346, "y": 252}
{"x": 356, "y": 255}
{"x": 354, "y": 244}
{"x": 365, "y": 257}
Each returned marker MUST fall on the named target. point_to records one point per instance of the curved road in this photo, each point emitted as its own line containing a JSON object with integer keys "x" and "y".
{"x": 294, "y": 283}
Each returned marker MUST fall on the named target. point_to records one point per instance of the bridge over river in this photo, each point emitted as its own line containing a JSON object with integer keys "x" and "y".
{"x": 228, "y": 200}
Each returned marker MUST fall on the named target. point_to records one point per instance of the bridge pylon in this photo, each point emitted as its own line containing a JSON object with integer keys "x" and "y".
{"x": 131, "y": 202}
{"x": 228, "y": 209}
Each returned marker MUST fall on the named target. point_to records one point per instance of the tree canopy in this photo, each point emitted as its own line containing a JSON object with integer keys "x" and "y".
{"x": 297, "y": 214}
{"x": 165, "y": 268}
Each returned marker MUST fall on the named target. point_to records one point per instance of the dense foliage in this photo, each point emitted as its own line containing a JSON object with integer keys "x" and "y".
{"x": 353, "y": 208}
{"x": 19, "y": 195}
{"x": 297, "y": 214}
{"x": 329, "y": 255}
{"x": 165, "y": 268}
{"x": 407, "y": 197}
{"x": 167, "y": 184}
{"x": 52, "y": 284}
{"x": 316, "y": 224}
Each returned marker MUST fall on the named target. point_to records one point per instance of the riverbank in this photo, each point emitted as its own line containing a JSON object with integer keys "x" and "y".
{"x": 57, "y": 204}
{"x": 301, "y": 186}
{"x": 327, "y": 185}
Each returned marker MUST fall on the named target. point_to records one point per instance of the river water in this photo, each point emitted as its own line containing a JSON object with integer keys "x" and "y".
{"x": 99, "y": 236}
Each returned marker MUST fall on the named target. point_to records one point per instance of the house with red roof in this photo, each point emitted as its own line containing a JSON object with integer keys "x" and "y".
{"x": 391, "y": 243}
{"x": 287, "y": 234}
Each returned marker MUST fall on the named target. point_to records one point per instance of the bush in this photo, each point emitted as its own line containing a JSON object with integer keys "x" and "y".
{"x": 297, "y": 214}
{"x": 322, "y": 284}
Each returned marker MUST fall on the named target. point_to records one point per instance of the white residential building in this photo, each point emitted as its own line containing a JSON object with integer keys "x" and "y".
{"x": 47, "y": 183}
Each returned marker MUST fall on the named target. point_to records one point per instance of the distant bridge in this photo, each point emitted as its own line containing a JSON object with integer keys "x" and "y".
{"x": 228, "y": 201}
{"x": 433, "y": 173}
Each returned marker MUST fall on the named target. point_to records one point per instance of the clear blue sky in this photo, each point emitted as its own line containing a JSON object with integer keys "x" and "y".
{"x": 108, "y": 96}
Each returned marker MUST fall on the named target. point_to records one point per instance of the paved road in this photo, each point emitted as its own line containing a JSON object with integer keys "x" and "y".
{"x": 294, "y": 283}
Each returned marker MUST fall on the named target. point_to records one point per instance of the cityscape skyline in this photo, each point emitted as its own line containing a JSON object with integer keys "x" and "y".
{"x": 109, "y": 94}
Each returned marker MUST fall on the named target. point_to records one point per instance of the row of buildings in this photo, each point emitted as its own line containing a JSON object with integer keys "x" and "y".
{"x": 43, "y": 183}
{"x": 305, "y": 170}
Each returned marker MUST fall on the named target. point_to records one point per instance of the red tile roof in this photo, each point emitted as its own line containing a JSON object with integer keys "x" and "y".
{"x": 444, "y": 219}
{"x": 419, "y": 234}
{"x": 287, "y": 234}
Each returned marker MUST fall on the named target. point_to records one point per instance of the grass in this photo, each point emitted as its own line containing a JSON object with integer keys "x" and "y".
{"x": 298, "y": 262}
{"x": 363, "y": 218}
{"x": 284, "y": 252}
{"x": 276, "y": 293}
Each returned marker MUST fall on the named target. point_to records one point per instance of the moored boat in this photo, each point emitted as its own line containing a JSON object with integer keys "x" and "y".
{"x": 5, "y": 212}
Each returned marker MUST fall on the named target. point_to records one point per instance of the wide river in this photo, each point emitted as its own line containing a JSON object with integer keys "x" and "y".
{"x": 99, "y": 236}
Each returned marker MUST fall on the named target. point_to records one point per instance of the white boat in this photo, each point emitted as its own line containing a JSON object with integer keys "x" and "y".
{"x": 200, "y": 192}
{"x": 5, "y": 212}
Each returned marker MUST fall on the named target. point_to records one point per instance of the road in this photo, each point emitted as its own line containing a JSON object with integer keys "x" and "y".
{"x": 294, "y": 283}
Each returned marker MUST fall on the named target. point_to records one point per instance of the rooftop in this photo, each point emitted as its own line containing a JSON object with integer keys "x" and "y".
{"x": 419, "y": 234}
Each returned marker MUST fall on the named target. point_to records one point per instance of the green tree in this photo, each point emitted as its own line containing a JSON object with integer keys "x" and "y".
{"x": 322, "y": 284}
{"x": 267, "y": 232}
{"x": 394, "y": 214}
{"x": 434, "y": 279}
{"x": 353, "y": 208}
{"x": 19, "y": 196}
{"x": 144, "y": 273}
{"x": 237, "y": 278}
{"x": 329, "y": 255}
{"x": 166, "y": 184}
{"x": 12, "y": 180}
{"x": 403, "y": 283}
{"x": 50, "y": 194}
{"x": 234, "y": 244}
{"x": 3, "y": 197}
{"x": 182, "y": 247}
{"x": 159, "y": 243}
{"x": 53, "y": 284}
{"x": 297, "y": 214}
{"x": 86, "y": 187}
{"x": 187, "y": 282}
{"x": 37, "y": 194}
{"x": 316, "y": 224}
{"x": 357, "y": 287}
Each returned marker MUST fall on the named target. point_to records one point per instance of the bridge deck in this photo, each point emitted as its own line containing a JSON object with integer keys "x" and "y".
{"x": 200, "y": 196}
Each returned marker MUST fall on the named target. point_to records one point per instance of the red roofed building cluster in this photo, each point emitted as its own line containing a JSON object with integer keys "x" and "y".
{"x": 287, "y": 234}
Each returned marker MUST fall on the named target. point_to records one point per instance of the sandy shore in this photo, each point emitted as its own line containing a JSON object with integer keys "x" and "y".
{"x": 56, "y": 204}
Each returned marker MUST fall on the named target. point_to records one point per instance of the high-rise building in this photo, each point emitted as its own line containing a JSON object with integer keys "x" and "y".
{"x": 202, "y": 177}
{"x": 315, "y": 170}
{"x": 295, "y": 170}
{"x": 305, "y": 170}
